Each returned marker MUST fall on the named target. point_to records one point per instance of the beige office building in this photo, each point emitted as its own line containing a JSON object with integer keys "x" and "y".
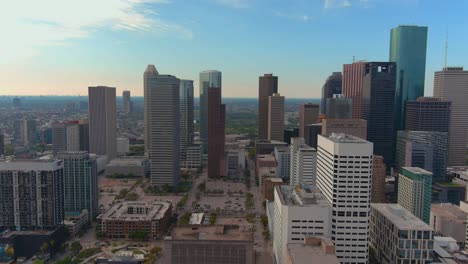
{"x": 353, "y": 127}
{"x": 308, "y": 114}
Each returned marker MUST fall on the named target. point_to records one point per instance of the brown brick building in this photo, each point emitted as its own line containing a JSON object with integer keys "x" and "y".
{"x": 216, "y": 137}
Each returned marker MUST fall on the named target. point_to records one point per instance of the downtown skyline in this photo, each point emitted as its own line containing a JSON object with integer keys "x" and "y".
{"x": 300, "y": 42}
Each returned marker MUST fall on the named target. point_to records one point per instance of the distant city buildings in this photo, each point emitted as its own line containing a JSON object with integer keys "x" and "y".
{"x": 353, "y": 81}
{"x": 162, "y": 126}
{"x": 333, "y": 85}
{"x": 70, "y": 136}
{"x": 26, "y": 132}
{"x": 31, "y": 194}
{"x": 452, "y": 84}
{"x": 408, "y": 46}
{"x": 126, "y": 102}
{"x": 414, "y": 192}
{"x": 102, "y": 121}
{"x": 275, "y": 117}
{"x": 208, "y": 79}
{"x": 268, "y": 85}
{"x": 308, "y": 114}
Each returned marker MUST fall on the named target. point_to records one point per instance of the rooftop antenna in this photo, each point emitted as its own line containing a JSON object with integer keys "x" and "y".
{"x": 446, "y": 48}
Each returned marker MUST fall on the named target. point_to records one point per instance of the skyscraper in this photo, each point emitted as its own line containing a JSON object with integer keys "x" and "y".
{"x": 207, "y": 79}
{"x": 378, "y": 97}
{"x": 162, "y": 125}
{"x": 186, "y": 116}
{"x": 353, "y": 81}
{"x": 339, "y": 107}
{"x": 216, "y": 130}
{"x": 308, "y": 114}
{"x": 80, "y": 182}
{"x": 28, "y": 132}
{"x": 333, "y": 85}
{"x": 275, "y": 117}
{"x": 84, "y": 135}
{"x": 378, "y": 180}
{"x": 268, "y": 85}
{"x": 408, "y": 50}
{"x": 428, "y": 114}
{"x": 2, "y": 143}
{"x": 344, "y": 173}
{"x": 126, "y": 102}
{"x": 452, "y": 84}
{"x": 102, "y": 121}
{"x": 414, "y": 192}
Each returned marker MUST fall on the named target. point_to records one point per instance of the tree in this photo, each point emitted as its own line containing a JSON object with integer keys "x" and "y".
{"x": 44, "y": 247}
{"x": 38, "y": 261}
{"x": 251, "y": 153}
{"x": 66, "y": 260}
{"x": 76, "y": 247}
{"x": 10, "y": 251}
{"x": 212, "y": 218}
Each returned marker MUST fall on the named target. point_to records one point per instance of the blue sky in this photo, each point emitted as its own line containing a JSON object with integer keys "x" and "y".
{"x": 60, "y": 47}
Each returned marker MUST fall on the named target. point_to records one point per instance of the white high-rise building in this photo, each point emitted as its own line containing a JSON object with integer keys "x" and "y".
{"x": 283, "y": 160}
{"x": 162, "y": 135}
{"x": 303, "y": 163}
{"x": 344, "y": 173}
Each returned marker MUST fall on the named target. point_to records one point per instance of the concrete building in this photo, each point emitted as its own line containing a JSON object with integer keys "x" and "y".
{"x": 186, "y": 117}
{"x": 314, "y": 250}
{"x": 448, "y": 192}
{"x": 303, "y": 163}
{"x": 275, "y": 117}
{"x": 298, "y": 214}
{"x": 353, "y": 81}
{"x": 126, "y": 102}
{"x": 264, "y": 161}
{"x": 290, "y": 133}
{"x": 460, "y": 177}
{"x": 414, "y": 192}
{"x": 452, "y": 84}
{"x": 283, "y": 161}
{"x": 308, "y": 114}
{"x": 449, "y": 220}
{"x": 84, "y": 134}
{"x": 216, "y": 133}
{"x": 267, "y": 146}
{"x": 344, "y": 175}
{"x": 123, "y": 219}
{"x": 378, "y": 104}
{"x": 339, "y": 107}
{"x": 428, "y": 114}
{"x": 80, "y": 182}
{"x": 397, "y": 236}
{"x": 131, "y": 165}
{"x": 31, "y": 194}
{"x": 194, "y": 157}
{"x": 268, "y": 187}
{"x": 75, "y": 221}
{"x": 123, "y": 146}
{"x": 378, "y": 180}
{"x": 102, "y": 121}
{"x": 268, "y": 85}
{"x": 353, "y": 127}
{"x": 408, "y": 50}
{"x": 209, "y": 245}
{"x": 311, "y": 134}
{"x": 70, "y": 136}
{"x": 162, "y": 126}
{"x": 333, "y": 85}
{"x": 208, "y": 79}
{"x": 427, "y": 150}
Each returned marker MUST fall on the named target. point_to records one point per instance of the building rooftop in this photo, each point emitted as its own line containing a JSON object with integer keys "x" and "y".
{"x": 400, "y": 217}
{"x": 196, "y": 219}
{"x": 282, "y": 148}
{"x": 345, "y": 138}
{"x": 302, "y": 253}
{"x": 137, "y": 211}
{"x": 218, "y": 232}
{"x": 297, "y": 196}
{"x": 128, "y": 161}
{"x": 416, "y": 170}
{"x": 449, "y": 211}
{"x": 266, "y": 157}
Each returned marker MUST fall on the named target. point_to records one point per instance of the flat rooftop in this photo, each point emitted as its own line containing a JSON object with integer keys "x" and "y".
{"x": 417, "y": 170}
{"x": 297, "y": 196}
{"x": 137, "y": 211}
{"x": 449, "y": 211}
{"x": 306, "y": 254}
{"x": 345, "y": 138}
{"x": 266, "y": 157}
{"x": 218, "y": 232}
{"x": 400, "y": 217}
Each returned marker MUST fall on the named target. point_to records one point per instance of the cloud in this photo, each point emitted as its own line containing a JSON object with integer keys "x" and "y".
{"x": 293, "y": 16}
{"x": 234, "y": 3}
{"x": 28, "y": 26}
{"x": 336, "y": 3}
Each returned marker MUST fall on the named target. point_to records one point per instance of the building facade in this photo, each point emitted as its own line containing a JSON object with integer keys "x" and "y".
{"x": 126, "y": 102}
{"x": 216, "y": 133}
{"x": 283, "y": 161}
{"x": 353, "y": 127}
{"x": 308, "y": 114}
{"x": 268, "y": 85}
{"x": 339, "y": 107}
{"x": 353, "y": 81}
{"x": 449, "y": 220}
{"x": 102, "y": 121}
{"x": 303, "y": 164}
{"x": 186, "y": 117}
{"x": 378, "y": 180}
{"x": 208, "y": 79}
{"x": 275, "y": 117}
{"x": 428, "y": 114}
{"x": 414, "y": 192}
{"x": 333, "y": 85}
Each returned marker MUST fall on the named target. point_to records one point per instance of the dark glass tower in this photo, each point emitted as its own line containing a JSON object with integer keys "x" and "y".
{"x": 268, "y": 85}
{"x": 332, "y": 86}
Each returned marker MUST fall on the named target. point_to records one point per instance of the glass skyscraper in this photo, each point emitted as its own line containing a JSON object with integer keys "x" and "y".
{"x": 408, "y": 49}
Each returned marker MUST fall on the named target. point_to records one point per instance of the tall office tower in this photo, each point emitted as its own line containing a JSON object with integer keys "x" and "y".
{"x": 283, "y": 159}
{"x": 216, "y": 130}
{"x": 353, "y": 127}
{"x": 344, "y": 173}
{"x": 303, "y": 163}
{"x": 275, "y": 117}
{"x": 208, "y": 79}
{"x": 424, "y": 149}
{"x": 308, "y": 114}
{"x": 428, "y": 114}
{"x": 290, "y": 133}
{"x": 311, "y": 134}
{"x": 452, "y": 84}
{"x": 186, "y": 116}
{"x": 408, "y": 50}
{"x": 59, "y": 137}
{"x": 102, "y": 121}
{"x": 353, "y": 81}
{"x": 73, "y": 136}
{"x": 339, "y": 107}
{"x": 268, "y": 85}
{"x": 378, "y": 180}
{"x": 333, "y": 85}
{"x": 378, "y": 100}
{"x": 84, "y": 135}
{"x": 414, "y": 192}
{"x": 28, "y": 132}
{"x": 162, "y": 135}
{"x": 80, "y": 182}
{"x": 126, "y": 102}
{"x": 31, "y": 194}
{"x": 2, "y": 143}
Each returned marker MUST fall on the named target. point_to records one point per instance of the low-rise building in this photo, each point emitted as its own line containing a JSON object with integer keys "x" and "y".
{"x": 449, "y": 220}
{"x": 126, "y": 219}
{"x": 134, "y": 166}
{"x": 194, "y": 157}
{"x": 397, "y": 236}
{"x": 268, "y": 187}
{"x": 123, "y": 146}
{"x": 266, "y": 173}
{"x": 75, "y": 221}
{"x": 235, "y": 158}
{"x": 314, "y": 250}
{"x": 267, "y": 146}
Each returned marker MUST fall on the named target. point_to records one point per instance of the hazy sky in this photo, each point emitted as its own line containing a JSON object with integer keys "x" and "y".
{"x": 60, "y": 47}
